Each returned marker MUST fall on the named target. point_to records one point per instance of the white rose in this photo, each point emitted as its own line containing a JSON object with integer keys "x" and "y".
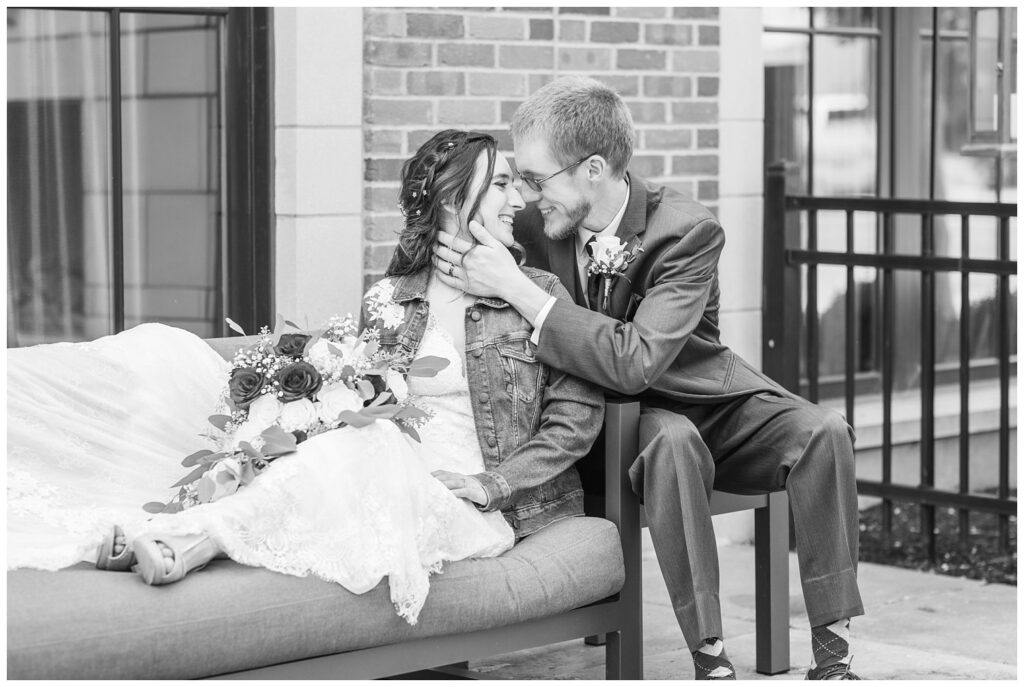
{"x": 299, "y": 414}
{"x": 319, "y": 353}
{"x": 336, "y": 399}
{"x": 220, "y": 480}
{"x": 396, "y": 382}
{"x": 265, "y": 410}
{"x": 605, "y": 247}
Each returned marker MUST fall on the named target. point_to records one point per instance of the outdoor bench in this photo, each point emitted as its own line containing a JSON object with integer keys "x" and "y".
{"x": 579, "y": 577}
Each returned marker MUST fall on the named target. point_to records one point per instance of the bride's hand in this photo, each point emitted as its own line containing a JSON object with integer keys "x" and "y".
{"x": 463, "y": 486}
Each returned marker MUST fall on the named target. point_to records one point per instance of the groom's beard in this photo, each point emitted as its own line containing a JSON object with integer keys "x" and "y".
{"x": 563, "y": 226}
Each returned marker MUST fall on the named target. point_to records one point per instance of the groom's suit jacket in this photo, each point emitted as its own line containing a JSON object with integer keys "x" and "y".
{"x": 661, "y": 333}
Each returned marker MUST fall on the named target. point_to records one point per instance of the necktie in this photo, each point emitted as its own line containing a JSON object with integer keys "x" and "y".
{"x": 593, "y": 281}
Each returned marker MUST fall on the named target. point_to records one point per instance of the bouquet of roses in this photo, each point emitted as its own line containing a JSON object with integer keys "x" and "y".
{"x": 287, "y": 387}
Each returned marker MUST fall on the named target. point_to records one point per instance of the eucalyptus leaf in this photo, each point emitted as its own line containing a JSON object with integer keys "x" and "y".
{"x": 291, "y": 324}
{"x": 195, "y": 458}
{"x": 380, "y": 412}
{"x": 411, "y": 413}
{"x": 154, "y": 507}
{"x": 383, "y": 397}
{"x": 427, "y": 366}
{"x": 277, "y": 442}
{"x": 371, "y": 348}
{"x": 192, "y": 476}
{"x": 219, "y": 421}
{"x": 234, "y": 325}
{"x": 411, "y": 431}
{"x": 355, "y": 419}
{"x": 365, "y": 389}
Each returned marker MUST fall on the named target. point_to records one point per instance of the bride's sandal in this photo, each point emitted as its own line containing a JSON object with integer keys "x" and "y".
{"x": 106, "y": 560}
{"x": 191, "y": 552}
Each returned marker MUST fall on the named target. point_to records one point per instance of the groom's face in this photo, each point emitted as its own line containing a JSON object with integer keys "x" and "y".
{"x": 562, "y": 200}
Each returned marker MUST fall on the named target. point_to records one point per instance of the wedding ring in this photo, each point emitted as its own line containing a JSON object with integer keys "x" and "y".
{"x": 451, "y": 270}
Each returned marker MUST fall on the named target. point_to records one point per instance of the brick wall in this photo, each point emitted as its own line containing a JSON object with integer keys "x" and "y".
{"x": 428, "y": 69}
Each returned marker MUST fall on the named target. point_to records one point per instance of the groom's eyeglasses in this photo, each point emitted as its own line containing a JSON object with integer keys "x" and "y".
{"x": 535, "y": 184}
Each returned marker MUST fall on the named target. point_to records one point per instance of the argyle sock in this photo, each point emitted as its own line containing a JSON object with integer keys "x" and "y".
{"x": 831, "y": 643}
{"x": 710, "y": 661}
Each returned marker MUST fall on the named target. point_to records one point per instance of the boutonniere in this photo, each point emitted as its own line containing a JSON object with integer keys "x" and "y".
{"x": 609, "y": 258}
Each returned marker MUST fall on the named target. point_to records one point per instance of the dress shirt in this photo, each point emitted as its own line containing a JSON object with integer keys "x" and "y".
{"x": 582, "y": 259}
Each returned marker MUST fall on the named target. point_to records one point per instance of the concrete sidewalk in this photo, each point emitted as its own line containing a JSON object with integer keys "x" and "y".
{"x": 918, "y": 626}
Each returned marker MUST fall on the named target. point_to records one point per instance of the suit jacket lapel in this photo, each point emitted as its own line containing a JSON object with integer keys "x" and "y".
{"x": 634, "y": 223}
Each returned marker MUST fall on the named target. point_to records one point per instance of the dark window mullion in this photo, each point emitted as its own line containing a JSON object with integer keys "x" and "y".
{"x": 116, "y": 173}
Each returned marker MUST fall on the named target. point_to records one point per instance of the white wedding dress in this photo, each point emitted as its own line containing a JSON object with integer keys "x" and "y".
{"x": 95, "y": 430}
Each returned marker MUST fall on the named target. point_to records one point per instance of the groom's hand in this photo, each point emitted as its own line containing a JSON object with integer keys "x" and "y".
{"x": 487, "y": 270}
{"x": 463, "y": 486}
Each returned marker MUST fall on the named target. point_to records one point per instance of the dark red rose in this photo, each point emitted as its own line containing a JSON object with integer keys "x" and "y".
{"x": 298, "y": 380}
{"x": 291, "y": 345}
{"x": 245, "y": 385}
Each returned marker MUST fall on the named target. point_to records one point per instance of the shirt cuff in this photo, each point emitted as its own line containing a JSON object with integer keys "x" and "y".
{"x": 539, "y": 321}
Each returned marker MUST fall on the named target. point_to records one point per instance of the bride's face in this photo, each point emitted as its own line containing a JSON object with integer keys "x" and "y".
{"x": 499, "y": 199}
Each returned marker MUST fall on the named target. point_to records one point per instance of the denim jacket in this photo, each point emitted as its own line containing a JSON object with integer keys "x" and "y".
{"x": 532, "y": 422}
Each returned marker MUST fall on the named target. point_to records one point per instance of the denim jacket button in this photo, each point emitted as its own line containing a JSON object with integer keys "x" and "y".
{"x": 474, "y": 315}
{"x": 484, "y": 398}
{"x": 478, "y": 352}
{"x": 492, "y": 442}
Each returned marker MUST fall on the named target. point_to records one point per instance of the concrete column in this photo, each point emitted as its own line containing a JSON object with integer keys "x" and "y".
{"x": 318, "y": 102}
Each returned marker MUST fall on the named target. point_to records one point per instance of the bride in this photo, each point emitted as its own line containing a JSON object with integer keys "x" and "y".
{"x": 95, "y": 430}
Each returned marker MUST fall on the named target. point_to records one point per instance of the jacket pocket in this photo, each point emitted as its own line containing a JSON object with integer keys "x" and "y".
{"x": 522, "y": 369}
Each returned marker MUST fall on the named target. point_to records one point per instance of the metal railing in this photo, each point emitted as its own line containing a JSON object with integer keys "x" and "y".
{"x": 789, "y": 328}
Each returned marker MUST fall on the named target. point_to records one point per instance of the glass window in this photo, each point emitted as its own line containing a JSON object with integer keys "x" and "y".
{"x": 173, "y": 204}
{"x": 845, "y": 17}
{"x": 785, "y": 16}
{"x": 119, "y": 215}
{"x": 786, "y": 93}
{"x": 845, "y": 116}
{"x": 58, "y": 204}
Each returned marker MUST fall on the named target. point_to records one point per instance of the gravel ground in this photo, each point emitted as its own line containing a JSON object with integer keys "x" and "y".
{"x": 980, "y": 559}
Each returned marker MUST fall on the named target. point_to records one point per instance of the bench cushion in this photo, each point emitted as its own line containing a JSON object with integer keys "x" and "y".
{"x": 83, "y": 623}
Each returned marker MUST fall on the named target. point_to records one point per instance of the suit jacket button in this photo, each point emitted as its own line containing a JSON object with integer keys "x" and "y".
{"x": 492, "y": 442}
{"x": 474, "y": 315}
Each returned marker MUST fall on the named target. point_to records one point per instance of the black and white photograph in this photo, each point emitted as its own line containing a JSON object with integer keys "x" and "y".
{"x": 626, "y": 342}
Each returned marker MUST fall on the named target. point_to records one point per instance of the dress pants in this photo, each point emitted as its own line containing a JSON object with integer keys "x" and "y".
{"x": 751, "y": 445}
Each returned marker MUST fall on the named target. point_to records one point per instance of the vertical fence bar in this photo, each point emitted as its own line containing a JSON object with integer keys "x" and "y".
{"x": 780, "y": 346}
{"x": 928, "y": 380}
{"x": 964, "y": 515}
{"x": 812, "y": 309}
{"x": 1003, "y": 302}
{"x": 116, "y": 173}
{"x": 888, "y": 322}
{"x": 851, "y": 323}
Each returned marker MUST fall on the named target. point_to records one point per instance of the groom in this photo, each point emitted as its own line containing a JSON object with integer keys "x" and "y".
{"x": 708, "y": 419}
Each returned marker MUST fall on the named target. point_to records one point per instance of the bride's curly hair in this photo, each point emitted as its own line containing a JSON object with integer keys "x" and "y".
{"x": 440, "y": 172}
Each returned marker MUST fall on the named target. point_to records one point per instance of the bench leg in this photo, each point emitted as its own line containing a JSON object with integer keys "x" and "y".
{"x": 771, "y": 584}
{"x": 624, "y": 650}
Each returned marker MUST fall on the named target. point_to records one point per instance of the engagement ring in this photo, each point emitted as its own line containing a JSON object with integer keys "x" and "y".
{"x": 451, "y": 270}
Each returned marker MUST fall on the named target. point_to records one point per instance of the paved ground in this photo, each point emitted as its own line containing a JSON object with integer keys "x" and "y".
{"x": 919, "y": 626}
